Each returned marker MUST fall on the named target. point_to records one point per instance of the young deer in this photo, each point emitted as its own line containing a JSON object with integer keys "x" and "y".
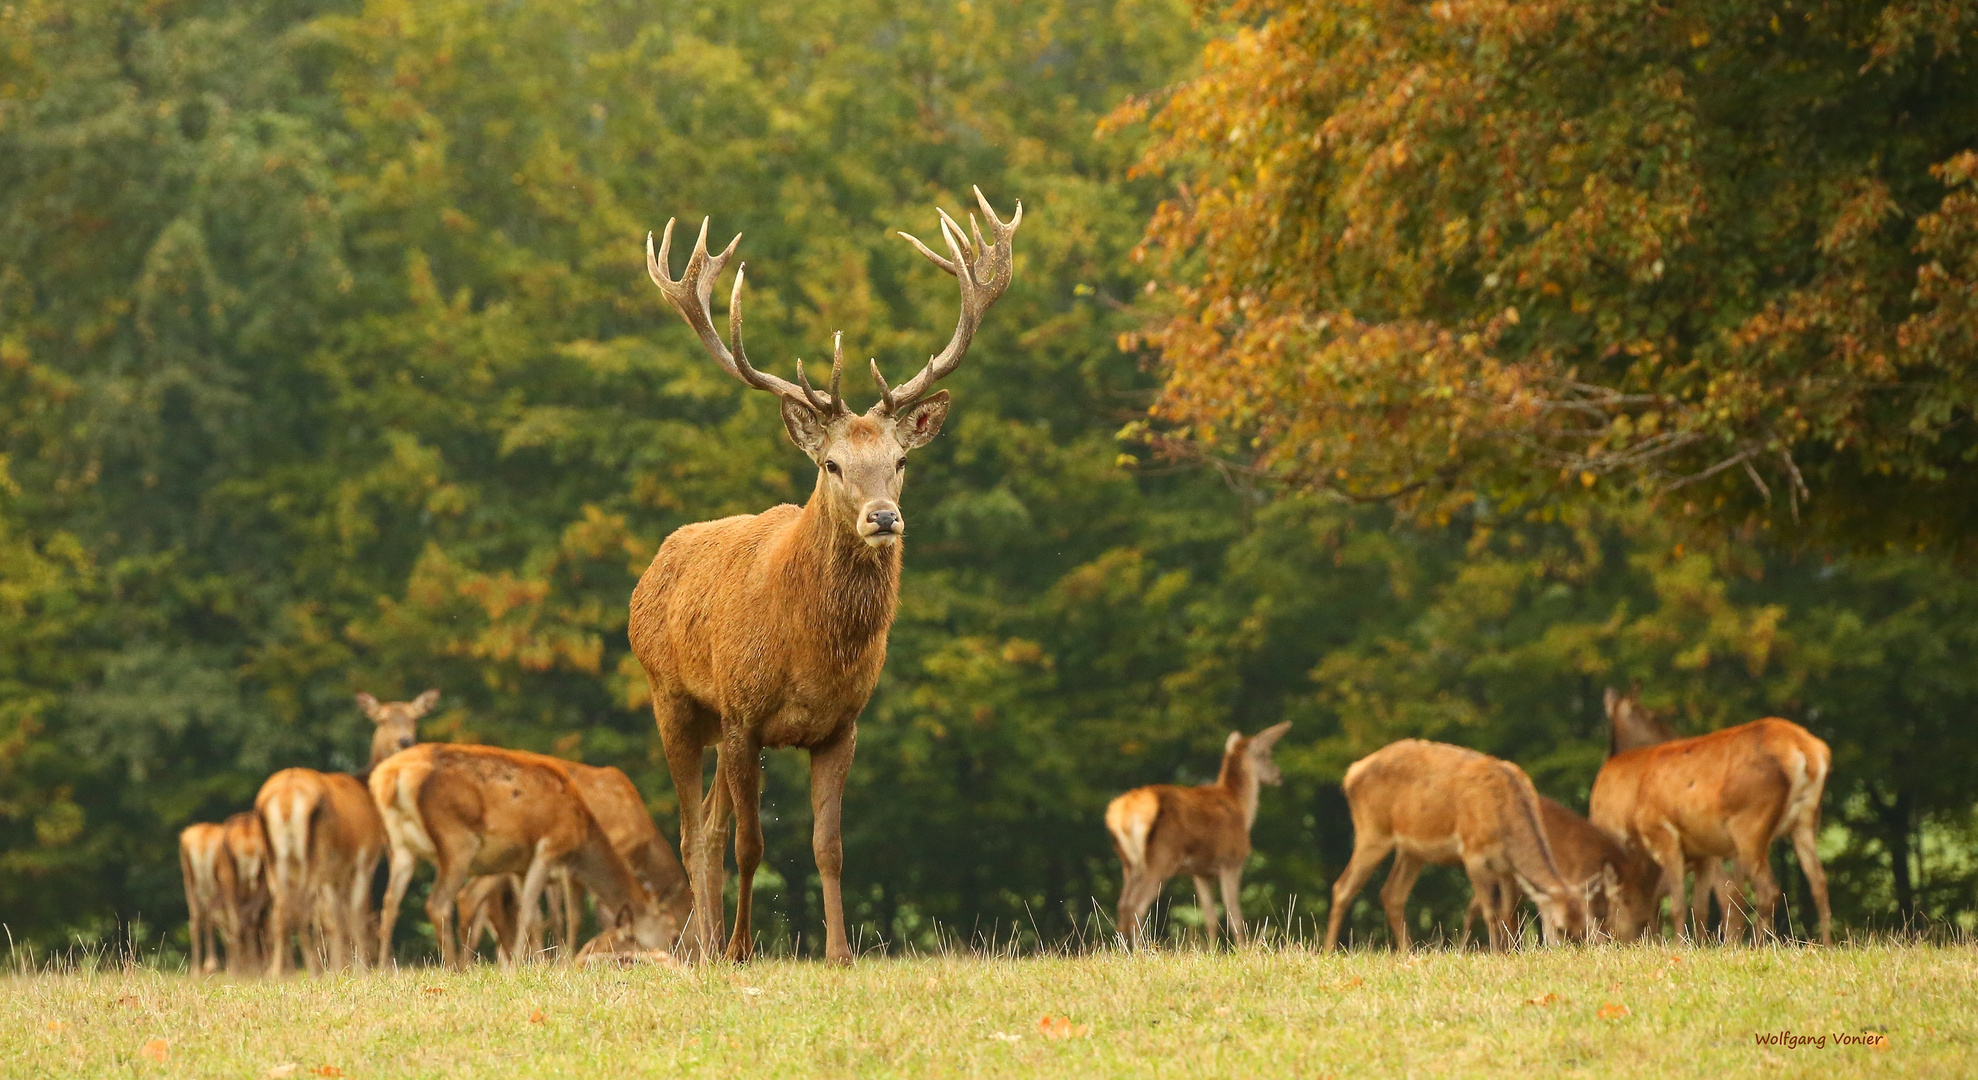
{"x": 484, "y": 810}
{"x": 209, "y": 892}
{"x": 324, "y": 839}
{"x": 247, "y": 849}
{"x": 769, "y": 630}
{"x": 1435, "y": 803}
{"x": 620, "y": 810}
{"x": 1619, "y": 890}
{"x": 1163, "y": 829}
{"x": 1727, "y": 794}
{"x": 397, "y": 722}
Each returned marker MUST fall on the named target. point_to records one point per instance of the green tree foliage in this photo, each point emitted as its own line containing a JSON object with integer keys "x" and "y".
{"x": 328, "y": 362}
{"x": 1716, "y": 252}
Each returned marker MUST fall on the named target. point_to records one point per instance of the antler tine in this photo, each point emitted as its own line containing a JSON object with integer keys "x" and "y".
{"x": 812, "y": 397}
{"x": 983, "y": 271}
{"x": 837, "y": 370}
{"x": 690, "y": 294}
{"x": 885, "y": 392}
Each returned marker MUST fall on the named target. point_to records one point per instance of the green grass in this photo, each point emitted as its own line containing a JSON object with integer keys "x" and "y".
{"x": 1689, "y": 1012}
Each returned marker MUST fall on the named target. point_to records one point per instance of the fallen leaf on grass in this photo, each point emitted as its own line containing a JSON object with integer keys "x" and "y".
{"x": 1348, "y": 984}
{"x": 325, "y": 1070}
{"x": 1542, "y": 999}
{"x": 536, "y": 1017}
{"x": 157, "y": 1050}
{"x": 436, "y": 989}
{"x": 283, "y": 1071}
{"x": 1612, "y": 1010}
{"x": 1881, "y": 1042}
{"x": 1061, "y": 1027}
{"x": 56, "y": 1025}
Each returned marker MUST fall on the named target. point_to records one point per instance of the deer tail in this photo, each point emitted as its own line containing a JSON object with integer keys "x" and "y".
{"x": 1130, "y": 818}
{"x": 287, "y": 818}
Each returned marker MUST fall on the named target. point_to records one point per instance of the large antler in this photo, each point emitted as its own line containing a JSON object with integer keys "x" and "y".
{"x": 690, "y": 294}
{"x": 984, "y": 272}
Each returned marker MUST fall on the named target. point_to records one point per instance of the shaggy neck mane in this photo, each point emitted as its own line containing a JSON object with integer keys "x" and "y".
{"x": 854, "y": 587}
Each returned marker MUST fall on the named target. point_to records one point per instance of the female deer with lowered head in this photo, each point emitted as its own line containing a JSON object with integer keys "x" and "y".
{"x": 769, "y": 630}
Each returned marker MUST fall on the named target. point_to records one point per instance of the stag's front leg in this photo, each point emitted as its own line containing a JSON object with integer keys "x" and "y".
{"x": 743, "y": 772}
{"x": 829, "y": 765}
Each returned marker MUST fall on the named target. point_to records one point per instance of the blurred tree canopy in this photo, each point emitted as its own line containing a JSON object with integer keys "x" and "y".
{"x": 328, "y": 363}
{"x": 1720, "y": 253}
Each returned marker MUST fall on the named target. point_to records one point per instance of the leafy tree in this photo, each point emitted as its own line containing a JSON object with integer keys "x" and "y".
{"x": 1717, "y": 253}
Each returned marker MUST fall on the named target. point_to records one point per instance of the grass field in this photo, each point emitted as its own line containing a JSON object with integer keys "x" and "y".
{"x": 1579, "y": 1012}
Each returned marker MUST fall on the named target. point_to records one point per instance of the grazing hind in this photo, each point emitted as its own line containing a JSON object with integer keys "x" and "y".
{"x": 1165, "y": 829}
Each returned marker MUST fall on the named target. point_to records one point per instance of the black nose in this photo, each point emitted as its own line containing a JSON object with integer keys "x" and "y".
{"x": 405, "y": 742}
{"x": 887, "y": 520}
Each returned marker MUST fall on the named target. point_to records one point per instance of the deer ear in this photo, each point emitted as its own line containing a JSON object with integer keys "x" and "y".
{"x": 425, "y": 702}
{"x": 1263, "y": 741}
{"x": 1612, "y": 699}
{"x": 806, "y": 428}
{"x": 369, "y": 704}
{"x": 1229, "y": 744}
{"x": 918, "y": 425}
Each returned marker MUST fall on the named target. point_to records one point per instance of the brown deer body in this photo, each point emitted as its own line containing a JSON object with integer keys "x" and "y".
{"x": 620, "y": 810}
{"x": 247, "y": 849}
{"x": 484, "y": 810}
{"x": 769, "y": 630}
{"x": 1728, "y": 794}
{"x": 1619, "y": 890}
{"x": 324, "y": 840}
{"x": 1435, "y": 803}
{"x": 209, "y": 891}
{"x": 1165, "y": 829}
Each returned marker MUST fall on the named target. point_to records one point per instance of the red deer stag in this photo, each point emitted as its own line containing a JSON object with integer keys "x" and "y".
{"x": 209, "y": 892}
{"x": 1435, "y": 803}
{"x": 1727, "y": 794}
{"x": 1164, "y": 829}
{"x": 1619, "y": 890}
{"x": 324, "y": 839}
{"x": 769, "y": 630}
{"x": 484, "y": 810}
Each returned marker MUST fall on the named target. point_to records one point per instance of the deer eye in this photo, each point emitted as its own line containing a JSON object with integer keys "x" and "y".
{"x": 831, "y": 467}
{"x": 903, "y": 463}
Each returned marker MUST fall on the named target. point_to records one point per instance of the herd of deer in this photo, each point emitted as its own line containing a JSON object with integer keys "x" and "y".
{"x": 769, "y": 630}
{"x": 1662, "y": 807}
{"x": 499, "y": 827}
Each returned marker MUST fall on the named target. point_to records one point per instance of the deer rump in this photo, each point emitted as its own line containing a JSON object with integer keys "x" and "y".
{"x": 1728, "y": 794}
{"x": 1434, "y": 803}
{"x": 476, "y": 810}
{"x": 324, "y": 838}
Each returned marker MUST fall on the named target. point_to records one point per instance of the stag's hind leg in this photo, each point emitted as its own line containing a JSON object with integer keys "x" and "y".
{"x": 685, "y": 733}
{"x": 1205, "y": 898}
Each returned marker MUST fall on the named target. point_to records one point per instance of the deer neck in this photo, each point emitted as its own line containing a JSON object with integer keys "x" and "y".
{"x": 1240, "y": 781}
{"x": 599, "y": 868}
{"x": 854, "y": 587}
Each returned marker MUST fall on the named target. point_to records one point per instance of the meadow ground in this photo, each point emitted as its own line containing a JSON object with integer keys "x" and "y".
{"x": 1635, "y": 1011}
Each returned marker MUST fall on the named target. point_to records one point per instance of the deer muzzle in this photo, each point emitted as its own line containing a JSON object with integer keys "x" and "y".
{"x": 880, "y": 524}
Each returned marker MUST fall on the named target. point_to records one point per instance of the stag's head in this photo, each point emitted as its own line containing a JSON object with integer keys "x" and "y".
{"x": 397, "y": 722}
{"x": 861, "y": 458}
{"x": 1562, "y": 915}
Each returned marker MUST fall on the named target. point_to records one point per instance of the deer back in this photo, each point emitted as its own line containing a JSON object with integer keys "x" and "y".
{"x": 1770, "y": 770}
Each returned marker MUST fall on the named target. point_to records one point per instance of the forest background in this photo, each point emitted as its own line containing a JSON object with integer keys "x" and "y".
{"x": 328, "y": 363}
